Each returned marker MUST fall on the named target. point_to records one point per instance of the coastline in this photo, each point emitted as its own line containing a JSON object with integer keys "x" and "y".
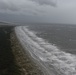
{"x": 27, "y": 66}
{"x": 13, "y": 61}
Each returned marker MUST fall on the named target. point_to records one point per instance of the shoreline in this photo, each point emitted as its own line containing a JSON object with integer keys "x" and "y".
{"x": 23, "y": 60}
{"x": 18, "y": 62}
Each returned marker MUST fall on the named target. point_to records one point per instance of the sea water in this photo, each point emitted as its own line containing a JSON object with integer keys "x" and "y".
{"x": 53, "y": 46}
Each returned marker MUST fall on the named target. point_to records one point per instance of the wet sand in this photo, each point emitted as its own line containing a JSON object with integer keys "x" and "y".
{"x": 13, "y": 61}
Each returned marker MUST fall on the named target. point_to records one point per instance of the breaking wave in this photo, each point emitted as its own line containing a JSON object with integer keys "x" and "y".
{"x": 49, "y": 55}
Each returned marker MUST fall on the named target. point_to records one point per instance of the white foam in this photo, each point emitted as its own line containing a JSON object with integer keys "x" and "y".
{"x": 47, "y": 53}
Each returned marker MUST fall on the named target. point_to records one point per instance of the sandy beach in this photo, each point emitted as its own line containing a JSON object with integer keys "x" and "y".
{"x": 13, "y": 61}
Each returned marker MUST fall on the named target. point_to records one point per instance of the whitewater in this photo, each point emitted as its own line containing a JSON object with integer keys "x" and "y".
{"x": 51, "y": 59}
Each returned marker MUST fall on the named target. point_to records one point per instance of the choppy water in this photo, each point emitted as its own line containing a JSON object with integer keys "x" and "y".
{"x": 56, "y": 52}
{"x": 63, "y": 36}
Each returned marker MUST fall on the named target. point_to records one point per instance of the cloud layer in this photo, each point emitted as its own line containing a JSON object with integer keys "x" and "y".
{"x": 23, "y": 6}
{"x": 40, "y": 10}
{"x": 46, "y": 2}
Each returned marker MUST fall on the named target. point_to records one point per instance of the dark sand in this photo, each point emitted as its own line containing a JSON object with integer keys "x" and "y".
{"x": 7, "y": 63}
{"x": 13, "y": 61}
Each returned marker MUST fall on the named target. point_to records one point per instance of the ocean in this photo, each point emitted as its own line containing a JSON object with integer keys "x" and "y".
{"x": 63, "y": 36}
{"x": 51, "y": 46}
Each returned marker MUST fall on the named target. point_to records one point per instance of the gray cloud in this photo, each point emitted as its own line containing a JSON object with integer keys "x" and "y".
{"x": 46, "y": 2}
{"x": 22, "y": 6}
{"x": 6, "y": 5}
{"x": 39, "y": 10}
{"x": 19, "y": 7}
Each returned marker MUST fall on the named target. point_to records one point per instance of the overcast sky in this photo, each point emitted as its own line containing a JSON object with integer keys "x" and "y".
{"x": 49, "y": 11}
